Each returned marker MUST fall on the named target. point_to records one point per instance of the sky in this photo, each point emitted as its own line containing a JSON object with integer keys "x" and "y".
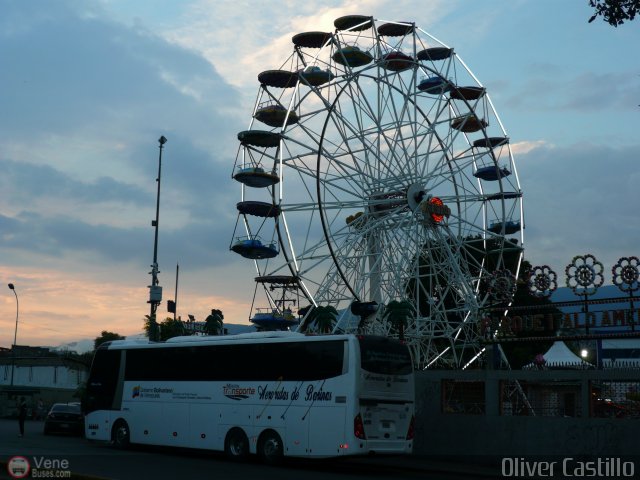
{"x": 88, "y": 86}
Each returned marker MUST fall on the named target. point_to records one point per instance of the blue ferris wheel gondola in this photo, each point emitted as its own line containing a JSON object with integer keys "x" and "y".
{"x": 503, "y": 196}
{"x": 259, "y": 138}
{"x": 258, "y": 209}
{"x": 273, "y": 319}
{"x": 434, "y": 85}
{"x": 492, "y": 173}
{"x": 352, "y": 56}
{"x": 256, "y": 177}
{"x": 509, "y": 227}
{"x": 490, "y": 142}
{"x": 315, "y": 76}
{"x": 254, "y": 249}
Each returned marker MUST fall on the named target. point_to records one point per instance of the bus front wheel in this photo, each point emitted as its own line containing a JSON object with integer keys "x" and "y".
{"x": 236, "y": 445}
{"x": 120, "y": 434}
{"x": 270, "y": 448}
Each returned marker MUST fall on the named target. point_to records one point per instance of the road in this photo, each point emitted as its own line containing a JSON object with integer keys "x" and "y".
{"x": 96, "y": 460}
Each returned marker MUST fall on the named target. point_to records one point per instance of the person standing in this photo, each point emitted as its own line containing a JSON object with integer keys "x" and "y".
{"x": 22, "y": 414}
{"x": 40, "y": 410}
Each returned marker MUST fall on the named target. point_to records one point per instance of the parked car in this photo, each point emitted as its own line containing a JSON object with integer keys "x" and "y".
{"x": 66, "y": 418}
{"x": 605, "y": 407}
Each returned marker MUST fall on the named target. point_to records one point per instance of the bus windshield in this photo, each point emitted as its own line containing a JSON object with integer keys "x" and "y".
{"x": 384, "y": 356}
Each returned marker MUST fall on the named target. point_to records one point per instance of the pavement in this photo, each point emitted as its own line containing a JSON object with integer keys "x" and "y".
{"x": 409, "y": 466}
{"x": 435, "y": 465}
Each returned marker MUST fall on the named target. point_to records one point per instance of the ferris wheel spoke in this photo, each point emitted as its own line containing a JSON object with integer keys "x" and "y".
{"x": 364, "y": 110}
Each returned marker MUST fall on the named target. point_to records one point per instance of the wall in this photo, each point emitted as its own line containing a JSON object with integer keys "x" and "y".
{"x": 493, "y": 434}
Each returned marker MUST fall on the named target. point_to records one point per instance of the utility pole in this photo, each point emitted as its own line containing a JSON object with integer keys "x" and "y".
{"x": 155, "y": 290}
{"x": 175, "y": 307}
{"x": 15, "y": 334}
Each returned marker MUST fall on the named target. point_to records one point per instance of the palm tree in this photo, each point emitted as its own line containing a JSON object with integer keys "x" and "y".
{"x": 398, "y": 314}
{"x": 213, "y": 323}
{"x": 325, "y": 318}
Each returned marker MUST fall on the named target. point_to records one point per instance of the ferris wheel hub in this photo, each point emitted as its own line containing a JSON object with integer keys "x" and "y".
{"x": 416, "y": 194}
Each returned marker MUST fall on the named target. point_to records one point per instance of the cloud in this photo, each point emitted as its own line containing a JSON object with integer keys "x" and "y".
{"x": 580, "y": 199}
{"x": 68, "y": 74}
{"x": 30, "y": 182}
{"x": 85, "y": 100}
{"x": 262, "y": 33}
{"x": 582, "y": 92}
{"x": 521, "y": 148}
{"x": 88, "y": 98}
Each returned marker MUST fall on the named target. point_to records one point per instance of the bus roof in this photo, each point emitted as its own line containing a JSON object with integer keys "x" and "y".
{"x": 253, "y": 337}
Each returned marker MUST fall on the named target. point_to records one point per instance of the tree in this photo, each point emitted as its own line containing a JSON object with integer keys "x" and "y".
{"x": 398, "y": 314}
{"x": 615, "y": 12}
{"x": 170, "y": 328}
{"x": 213, "y": 324}
{"x": 520, "y": 353}
{"x": 106, "y": 336}
{"x": 325, "y": 318}
{"x": 151, "y": 328}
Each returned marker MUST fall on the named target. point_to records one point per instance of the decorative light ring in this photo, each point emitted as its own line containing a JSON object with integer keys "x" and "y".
{"x": 502, "y": 286}
{"x": 626, "y": 274}
{"x": 437, "y": 210}
{"x": 542, "y": 281}
{"x": 584, "y": 274}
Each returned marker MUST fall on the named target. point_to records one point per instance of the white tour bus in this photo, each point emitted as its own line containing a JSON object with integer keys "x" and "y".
{"x": 272, "y": 393}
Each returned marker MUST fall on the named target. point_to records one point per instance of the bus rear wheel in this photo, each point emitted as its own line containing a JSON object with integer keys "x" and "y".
{"x": 120, "y": 437}
{"x": 236, "y": 445}
{"x": 270, "y": 448}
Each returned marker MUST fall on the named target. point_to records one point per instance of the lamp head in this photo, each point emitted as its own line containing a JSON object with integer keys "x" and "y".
{"x": 11, "y": 286}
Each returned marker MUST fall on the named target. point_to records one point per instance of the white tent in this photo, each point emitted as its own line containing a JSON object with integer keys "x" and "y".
{"x": 559, "y": 356}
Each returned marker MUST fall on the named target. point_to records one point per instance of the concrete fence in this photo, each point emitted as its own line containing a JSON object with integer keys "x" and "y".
{"x": 498, "y": 413}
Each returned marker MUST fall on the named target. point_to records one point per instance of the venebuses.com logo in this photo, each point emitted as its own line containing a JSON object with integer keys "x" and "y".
{"x": 39, "y": 467}
{"x": 18, "y": 467}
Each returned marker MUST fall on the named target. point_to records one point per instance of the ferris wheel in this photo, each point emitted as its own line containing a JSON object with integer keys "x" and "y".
{"x": 376, "y": 172}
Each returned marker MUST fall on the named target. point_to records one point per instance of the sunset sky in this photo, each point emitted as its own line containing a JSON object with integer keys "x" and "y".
{"x": 88, "y": 87}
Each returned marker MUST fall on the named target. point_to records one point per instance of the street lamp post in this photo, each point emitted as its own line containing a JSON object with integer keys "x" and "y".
{"x": 15, "y": 333}
{"x": 155, "y": 290}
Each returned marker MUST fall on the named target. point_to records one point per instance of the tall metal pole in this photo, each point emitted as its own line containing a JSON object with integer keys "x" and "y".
{"x": 175, "y": 306}
{"x": 15, "y": 334}
{"x": 631, "y": 320}
{"x": 155, "y": 292}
